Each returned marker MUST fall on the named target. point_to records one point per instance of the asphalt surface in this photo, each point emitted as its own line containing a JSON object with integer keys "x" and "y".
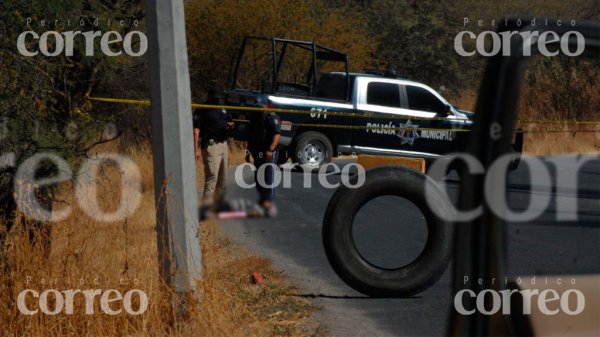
{"x": 389, "y": 232}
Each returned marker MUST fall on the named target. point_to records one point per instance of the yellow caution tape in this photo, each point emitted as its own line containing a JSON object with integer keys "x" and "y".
{"x": 556, "y": 122}
{"x": 556, "y": 131}
{"x": 335, "y": 114}
{"x": 359, "y": 127}
{"x": 120, "y": 100}
{"x": 259, "y": 109}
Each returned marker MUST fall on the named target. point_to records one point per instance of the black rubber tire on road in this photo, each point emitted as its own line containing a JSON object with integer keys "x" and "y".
{"x": 371, "y": 280}
{"x": 321, "y": 144}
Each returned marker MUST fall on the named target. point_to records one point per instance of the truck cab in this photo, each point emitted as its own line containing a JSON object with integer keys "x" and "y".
{"x": 327, "y": 111}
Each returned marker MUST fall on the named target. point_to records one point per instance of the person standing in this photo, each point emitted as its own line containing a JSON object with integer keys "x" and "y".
{"x": 263, "y": 139}
{"x": 211, "y": 127}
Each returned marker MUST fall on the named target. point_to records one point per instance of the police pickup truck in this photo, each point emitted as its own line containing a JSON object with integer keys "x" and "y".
{"x": 325, "y": 114}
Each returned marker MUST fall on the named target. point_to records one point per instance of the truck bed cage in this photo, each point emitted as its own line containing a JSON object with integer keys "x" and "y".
{"x": 319, "y": 53}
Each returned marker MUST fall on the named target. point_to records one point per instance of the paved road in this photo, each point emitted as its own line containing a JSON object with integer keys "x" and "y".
{"x": 293, "y": 242}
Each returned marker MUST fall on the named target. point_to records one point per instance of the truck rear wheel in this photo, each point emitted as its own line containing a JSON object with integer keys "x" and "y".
{"x": 312, "y": 149}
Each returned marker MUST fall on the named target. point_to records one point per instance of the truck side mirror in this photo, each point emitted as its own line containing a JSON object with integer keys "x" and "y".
{"x": 447, "y": 109}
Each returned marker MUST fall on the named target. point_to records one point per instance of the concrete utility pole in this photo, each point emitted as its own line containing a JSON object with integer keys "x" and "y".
{"x": 172, "y": 145}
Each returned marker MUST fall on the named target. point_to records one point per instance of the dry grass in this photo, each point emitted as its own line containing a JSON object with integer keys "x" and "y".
{"x": 555, "y": 143}
{"x": 466, "y": 100}
{"x": 237, "y": 152}
{"x": 87, "y": 254}
{"x": 555, "y": 133}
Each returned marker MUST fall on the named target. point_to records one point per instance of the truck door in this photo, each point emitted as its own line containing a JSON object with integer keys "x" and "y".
{"x": 383, "y": 99}
{"x": 386, "y": 99}
{"x": 435, "y": 135}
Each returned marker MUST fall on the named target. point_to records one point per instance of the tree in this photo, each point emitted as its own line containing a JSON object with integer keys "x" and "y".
{"x": 416, "y": 37}
{"x": 42, "y": 99}
{"x": 417, "y": 41}
{"x": 215, "y": 30}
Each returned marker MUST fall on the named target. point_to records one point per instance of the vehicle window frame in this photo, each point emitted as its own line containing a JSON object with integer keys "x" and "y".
{"x": 432, "y": 93}
{"x": 400, "y": 103}
{"x": 360, "y": 98}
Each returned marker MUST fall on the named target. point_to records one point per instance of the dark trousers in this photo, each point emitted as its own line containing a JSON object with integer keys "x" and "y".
{"x": 265, "y": 193}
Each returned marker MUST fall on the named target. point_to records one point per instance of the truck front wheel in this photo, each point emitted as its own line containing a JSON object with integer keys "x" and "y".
{"x": 312, "y": 149}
